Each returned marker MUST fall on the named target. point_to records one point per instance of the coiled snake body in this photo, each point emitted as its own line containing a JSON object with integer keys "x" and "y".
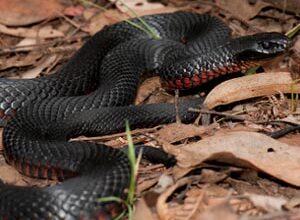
{"x": 192, "y": 49}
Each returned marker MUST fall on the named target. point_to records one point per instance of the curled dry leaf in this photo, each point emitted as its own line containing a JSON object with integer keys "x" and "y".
{"x": 247, "y": 149}
{"x": 251, "y": 86}
{"x": 188, "y": 210}
{"x": 25, "y": 12}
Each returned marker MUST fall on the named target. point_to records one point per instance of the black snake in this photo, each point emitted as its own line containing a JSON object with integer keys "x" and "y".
{"x": 91, "y": 95}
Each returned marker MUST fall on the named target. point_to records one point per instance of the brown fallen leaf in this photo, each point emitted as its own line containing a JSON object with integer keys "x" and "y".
{"x": 293, "y": 203}
{"x": 146, "y": 89}
{"x": 221, "y": 211}
{"x": 112, "y": 16}
{"x": 74, "y": 10}
{"x": 32, "y": 32}
{"x": 105, "y": 18}
{"x": 16, "y": 61}
{"x": 267, "y": 203}
{"x": 142, "y": 211}
{"x": 25, "y": 12}
{"x": 188, "y": 210}
{"x": 137, "y": 5}
{"x": 142, "y": 7}
{"x": 251, "y": 86}
{"x": 246, "y": 149}
{"x": 176, "y": 131}
{"x": 242, "y": 9}
{"x": 36, "y": 71}
{"x": 290, "y": 5}
{"x": 242, "y": 187}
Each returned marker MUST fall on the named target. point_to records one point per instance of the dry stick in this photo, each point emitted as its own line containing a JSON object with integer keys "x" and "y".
{"x": 51, "y": 67}
{"x": 227, "y": 115}
{"x": 178, "y": 120}
{"x": 73, "y": 23}
{"x": 284, "y": 131}
{"x": 109, "y": 137}
{"x": 61, "y": 49}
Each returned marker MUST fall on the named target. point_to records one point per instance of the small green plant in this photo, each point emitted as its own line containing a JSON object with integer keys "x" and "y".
{"x": 132, "y": 185}
{"x": 143, "y": 27}
{"x": 133, "y": 167}
{"x": 294, "y": 96}
{"x": 291, "y": 33}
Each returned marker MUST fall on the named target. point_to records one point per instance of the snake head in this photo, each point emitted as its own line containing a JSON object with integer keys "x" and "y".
{"x": 262, "y": 46}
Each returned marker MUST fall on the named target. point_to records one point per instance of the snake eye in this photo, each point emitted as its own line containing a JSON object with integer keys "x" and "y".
{"x": 266, "y": 45}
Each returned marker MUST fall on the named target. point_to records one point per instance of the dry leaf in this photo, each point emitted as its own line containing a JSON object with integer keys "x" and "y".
{"x": 26, "y": 44}
{"x": 142, "y": 211}
{"x": 112, "y": 16}
{"x": 17, "y": 61}
{"x": 268, "y": 203}
{"x": 74, "y": 10}
{"x": 221, "y": 211}
{"x": 32, "y": 32}
{"x": 180, "y": 212}
{"x": 137, "y": 5}
{"x": 176, "y": 132}
{"x": 105, "y": 18}
{"x": 251, "y": 86}
{"x": 32, "y": 73}
{"x": 290, "y": 5}
{"x": 164, "y": 181}
{"x": 142, "y": 7}
{"x": 25, "y": 12}
{"x": 146, "y": 89}
{"x": 241, "y": 8}
{"x": 293, "y": 203}
{"x": 247, "y": 149}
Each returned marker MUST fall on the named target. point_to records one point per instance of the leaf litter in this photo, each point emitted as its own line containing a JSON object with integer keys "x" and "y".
{"x": 228, "y": 170}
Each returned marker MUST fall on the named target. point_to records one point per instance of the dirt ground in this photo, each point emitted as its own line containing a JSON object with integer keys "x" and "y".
{"x": 230, "y": 168}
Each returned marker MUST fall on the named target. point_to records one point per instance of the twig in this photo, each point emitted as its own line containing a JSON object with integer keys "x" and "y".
{"x": 77, "y": 26}
{"x": 227, "y": 115}
{"x": 283, "y": 132}
{"x": 109, "y": 137}
{"x": 178, "y": 120}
